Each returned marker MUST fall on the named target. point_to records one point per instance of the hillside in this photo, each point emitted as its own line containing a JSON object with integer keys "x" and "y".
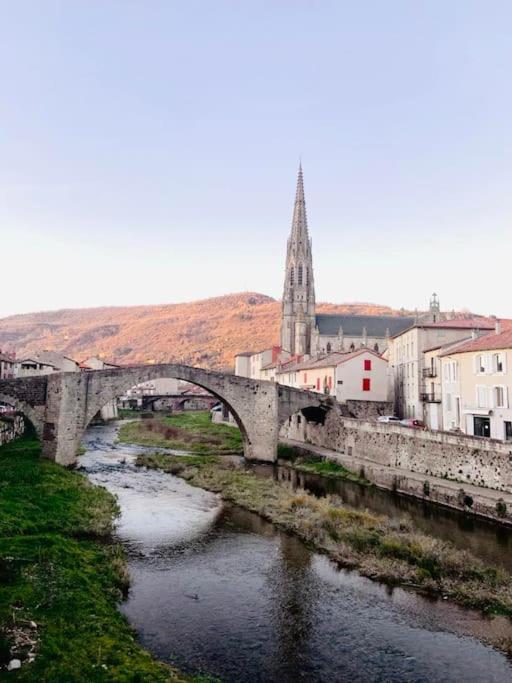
{"x": 208, "y": 332}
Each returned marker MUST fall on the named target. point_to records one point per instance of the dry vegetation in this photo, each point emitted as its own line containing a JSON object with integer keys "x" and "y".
{"x": 379, "y": 547}
{"x": 207, "y": 333}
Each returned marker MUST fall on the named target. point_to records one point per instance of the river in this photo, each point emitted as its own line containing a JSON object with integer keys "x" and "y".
{"x": 217, "y": 589}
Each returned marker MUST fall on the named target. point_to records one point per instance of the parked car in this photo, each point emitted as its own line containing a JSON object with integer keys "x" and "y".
{"x": 412, "y": 422}
{"x": 388, "y": 418}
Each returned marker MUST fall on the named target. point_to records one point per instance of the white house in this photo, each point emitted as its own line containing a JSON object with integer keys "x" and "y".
{"x": 360, "y": 375}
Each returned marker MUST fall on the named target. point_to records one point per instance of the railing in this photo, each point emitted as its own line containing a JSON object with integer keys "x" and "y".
{"x": 429, "y": 372}
{"x": 430, "y": 397}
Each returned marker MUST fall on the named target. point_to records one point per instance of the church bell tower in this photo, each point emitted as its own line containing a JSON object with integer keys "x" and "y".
{"x": 298, "y": 313}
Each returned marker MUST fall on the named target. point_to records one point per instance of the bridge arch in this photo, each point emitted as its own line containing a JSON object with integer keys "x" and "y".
{"x": 238, "y": 394}
{"x": 27, "y": 410}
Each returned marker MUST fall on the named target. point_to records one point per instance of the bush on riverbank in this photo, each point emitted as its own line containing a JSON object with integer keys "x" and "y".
{"x": 61, "y": 578}
{"x": 377, "y": 546}
{"x": 192, "y": 432}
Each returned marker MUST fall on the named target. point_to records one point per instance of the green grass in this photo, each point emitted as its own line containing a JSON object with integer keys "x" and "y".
{"x": 128, "y": 413}
{"x": 327, "y": 468}
{"x": 379, "y": 547}
{"x": 60, "y": 570}
{"x": 297, "y": 459}
{"x": 193, "y": 432}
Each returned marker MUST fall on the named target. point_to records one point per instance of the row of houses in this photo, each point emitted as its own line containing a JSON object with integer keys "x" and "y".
{"x": 453, "y": 374}
{"x": 462, "y": 384}
{"x": 361, "y": 375}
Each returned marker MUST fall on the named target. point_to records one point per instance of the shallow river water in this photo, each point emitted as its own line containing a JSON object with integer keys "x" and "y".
{"x": 217, "y": 589}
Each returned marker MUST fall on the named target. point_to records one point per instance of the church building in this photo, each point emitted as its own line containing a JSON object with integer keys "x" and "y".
{"x": 307, "y": 335}
{"x": 303, "y": 331}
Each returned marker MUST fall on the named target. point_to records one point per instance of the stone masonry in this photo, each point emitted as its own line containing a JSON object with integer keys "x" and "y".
{"x": 61, "y": 405}
{"x": 466, "y": 459}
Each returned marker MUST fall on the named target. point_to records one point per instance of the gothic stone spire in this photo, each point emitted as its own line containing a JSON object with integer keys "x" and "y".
{"x": 298, "y": 319}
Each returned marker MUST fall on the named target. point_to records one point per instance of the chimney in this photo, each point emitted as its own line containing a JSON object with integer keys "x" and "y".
{"x": 497, "y": 327}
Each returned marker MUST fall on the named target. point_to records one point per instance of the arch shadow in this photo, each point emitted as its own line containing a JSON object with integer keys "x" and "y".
{"x": 27, "y": 410}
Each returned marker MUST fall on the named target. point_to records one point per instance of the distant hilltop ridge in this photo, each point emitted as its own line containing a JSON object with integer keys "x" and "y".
{"x": 208, "y": 332}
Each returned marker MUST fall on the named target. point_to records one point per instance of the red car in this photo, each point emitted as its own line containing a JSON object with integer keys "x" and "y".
{"x": 412, "y": 422}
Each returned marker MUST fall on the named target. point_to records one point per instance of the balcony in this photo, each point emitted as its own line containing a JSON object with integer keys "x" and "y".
{"x": 430, "y": 397}
{"x": 429, "y": 372}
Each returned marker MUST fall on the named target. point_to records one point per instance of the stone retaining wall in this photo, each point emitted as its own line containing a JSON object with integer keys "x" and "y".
{"x": 11, "y": 426}
{"x": 466, "y": 459}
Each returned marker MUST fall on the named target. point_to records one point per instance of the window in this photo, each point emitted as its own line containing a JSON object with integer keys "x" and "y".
{"x": 481, "y": 397}
{"x": 352, "y": 347}
{"x": 499, "y": 397}
{"x": 330, "y": 382}
{"x": 305, "y": 377}
{"x": 366, "y": 384}
{"x": 480, "y": 364}
{"x": 328, "y": 347}
{"x": 318, "y": 384}
{"x": 292, "y": 275}
{"x": 368, "y": 364}
{"x": 376, "y": 347}
{"x": 497, "y": 362}
{"x": 508, "y": 430}
{"x": 300, "y": 275}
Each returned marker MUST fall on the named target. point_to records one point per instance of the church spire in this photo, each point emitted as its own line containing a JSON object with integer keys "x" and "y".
{"x": 300, "y": 220}
{"x": 298, "y": 318}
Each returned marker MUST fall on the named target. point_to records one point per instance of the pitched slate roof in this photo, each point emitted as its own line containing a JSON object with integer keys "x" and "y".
{"x": 352, "y": 325}
{"x": 463, "y": 324}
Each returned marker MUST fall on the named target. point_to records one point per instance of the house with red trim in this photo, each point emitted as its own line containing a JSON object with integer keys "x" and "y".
{"x": 360, "y": 375}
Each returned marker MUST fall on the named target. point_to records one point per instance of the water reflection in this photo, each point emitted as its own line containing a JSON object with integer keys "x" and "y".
{"x": 487, "y": 540}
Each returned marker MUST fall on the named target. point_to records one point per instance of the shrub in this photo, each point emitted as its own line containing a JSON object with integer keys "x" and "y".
{"x": 501, "y": 508}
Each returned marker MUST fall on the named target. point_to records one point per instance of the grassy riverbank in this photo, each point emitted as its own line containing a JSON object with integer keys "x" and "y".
{"x": 61, "y": 578}
{"x": 378, "y": 547}
{"x": 191, "y": 431}
{"x": 297, "y": 459}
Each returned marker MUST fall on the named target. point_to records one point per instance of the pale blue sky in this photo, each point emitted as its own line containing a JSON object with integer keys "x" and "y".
{"x": 149, "y": 150}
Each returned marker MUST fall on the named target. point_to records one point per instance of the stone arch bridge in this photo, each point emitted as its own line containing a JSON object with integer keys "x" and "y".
{"x": 61, "y": 405}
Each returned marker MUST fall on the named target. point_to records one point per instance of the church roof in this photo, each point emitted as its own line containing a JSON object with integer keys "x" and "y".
{"x": 352, "y": 325}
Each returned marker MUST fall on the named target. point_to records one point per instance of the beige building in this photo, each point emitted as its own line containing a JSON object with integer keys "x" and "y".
{"x": 259, "y": 364}
{"x": 6, "y": 366}
{"x": 415, "y": 378}
{"x": 59, "y": 361}
{"x": 355, "y": 376}
{"x": 30, "y": 367}
{"x": 476, "y": 381}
